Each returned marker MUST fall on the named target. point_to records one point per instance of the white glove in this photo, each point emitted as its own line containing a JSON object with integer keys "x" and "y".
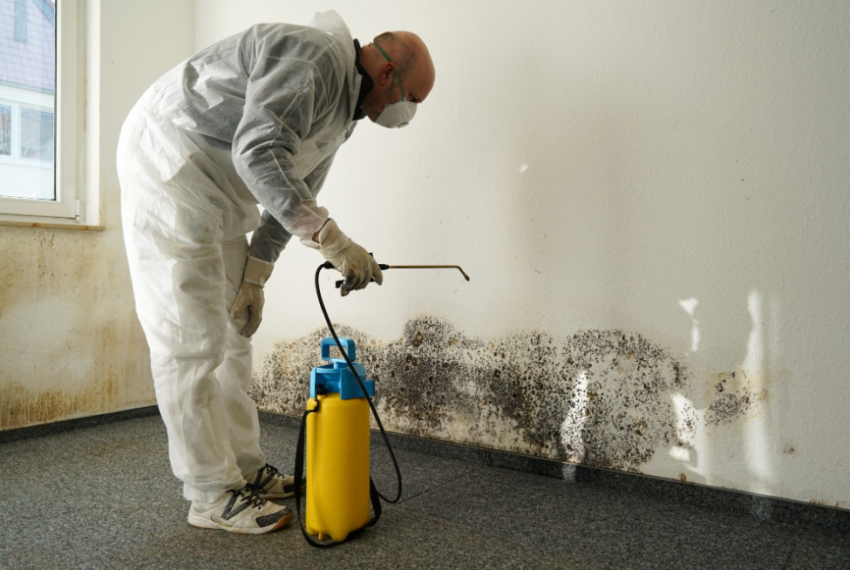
{"x": 250, "y": 295}
{"x": 354, "y": 262}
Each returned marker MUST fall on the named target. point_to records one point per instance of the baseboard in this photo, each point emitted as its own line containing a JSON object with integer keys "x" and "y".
{"x": 9, "y": 436}
{"x": 761, "y": 507}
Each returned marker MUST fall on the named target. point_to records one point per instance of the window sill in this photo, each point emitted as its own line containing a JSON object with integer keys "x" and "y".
{"x": 45, "y": 222}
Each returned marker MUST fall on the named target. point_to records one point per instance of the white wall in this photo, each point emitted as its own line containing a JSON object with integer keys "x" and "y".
{"x": 614, "y": 165}
{"x": 71, "y": 344}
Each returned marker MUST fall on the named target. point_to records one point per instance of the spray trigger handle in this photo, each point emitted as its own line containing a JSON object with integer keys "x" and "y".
{"x": 383, "y": 267}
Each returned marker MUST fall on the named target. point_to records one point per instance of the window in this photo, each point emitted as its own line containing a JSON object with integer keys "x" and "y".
{"x": 40, "y": 110}
{"x": 26, "y": 152}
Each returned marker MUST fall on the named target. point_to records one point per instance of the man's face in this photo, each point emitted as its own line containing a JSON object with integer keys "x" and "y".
{"x": 416, "y": 86}
{"x": 386, "y": 91}
{"x": 377, "y": 99}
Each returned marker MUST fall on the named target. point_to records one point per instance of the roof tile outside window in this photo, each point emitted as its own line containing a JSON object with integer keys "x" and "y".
{"x": 29, "y": 64}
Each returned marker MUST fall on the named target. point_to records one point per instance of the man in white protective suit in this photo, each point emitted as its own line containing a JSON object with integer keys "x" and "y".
{"x": 254, "y": 119}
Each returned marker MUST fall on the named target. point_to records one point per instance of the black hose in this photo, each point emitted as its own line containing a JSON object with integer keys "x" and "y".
{"x": 328, "y": 265}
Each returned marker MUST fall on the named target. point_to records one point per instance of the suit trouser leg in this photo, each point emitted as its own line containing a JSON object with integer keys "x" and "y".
{"x": 177, "y": 267}
{"x": 234, "y": 373}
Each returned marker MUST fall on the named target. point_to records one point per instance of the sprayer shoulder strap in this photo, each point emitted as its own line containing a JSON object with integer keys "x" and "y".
{"x": 299, "y": 470}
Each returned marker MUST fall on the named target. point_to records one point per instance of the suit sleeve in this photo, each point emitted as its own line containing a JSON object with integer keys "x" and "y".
{"x": 285, "y": 96}
{"x": 270, "y": 239}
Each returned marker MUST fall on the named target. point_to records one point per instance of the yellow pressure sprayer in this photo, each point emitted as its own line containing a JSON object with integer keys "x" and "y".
{"x": 339, "y": 487}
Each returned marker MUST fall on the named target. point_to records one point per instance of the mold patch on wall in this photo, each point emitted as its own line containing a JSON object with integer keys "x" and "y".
{"x": 602, "y": 398}
{"x": 736, "y": 394}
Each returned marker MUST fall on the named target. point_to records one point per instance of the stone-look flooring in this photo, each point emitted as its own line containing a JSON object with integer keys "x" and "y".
{"x": 104, "y": 497}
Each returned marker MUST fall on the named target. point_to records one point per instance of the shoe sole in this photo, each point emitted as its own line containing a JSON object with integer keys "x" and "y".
{"x": 199, "y": 522}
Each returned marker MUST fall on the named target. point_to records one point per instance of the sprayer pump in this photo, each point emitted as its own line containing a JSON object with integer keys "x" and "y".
{"x": 340, "y": 488}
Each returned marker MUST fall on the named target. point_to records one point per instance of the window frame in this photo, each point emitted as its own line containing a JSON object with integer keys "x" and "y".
{"x": 69, "y": 133}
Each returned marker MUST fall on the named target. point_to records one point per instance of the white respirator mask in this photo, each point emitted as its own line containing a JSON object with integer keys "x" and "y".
{"x": 400, "y": 113}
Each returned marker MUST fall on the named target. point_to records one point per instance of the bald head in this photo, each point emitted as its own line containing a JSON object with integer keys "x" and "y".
{"x": 409, "y": 57}
{"x": 412, "y": 56}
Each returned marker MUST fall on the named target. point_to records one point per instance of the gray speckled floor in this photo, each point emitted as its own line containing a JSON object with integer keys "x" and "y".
{"x": 104, "y": 497}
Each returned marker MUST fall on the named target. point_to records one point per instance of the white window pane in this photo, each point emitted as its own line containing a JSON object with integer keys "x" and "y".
{"x": 5, "y": 130}
{"x": 27, "y": 89}
{"x": 37, "y": 135}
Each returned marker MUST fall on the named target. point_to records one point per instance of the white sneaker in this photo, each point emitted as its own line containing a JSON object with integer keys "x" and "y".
{"x": 240, "y": 511}
{"x": 272, "y": 484}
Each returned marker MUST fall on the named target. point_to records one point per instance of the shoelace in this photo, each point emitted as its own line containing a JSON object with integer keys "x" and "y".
{"x": 264, "y": 475}
{"x": 251, "y": 498}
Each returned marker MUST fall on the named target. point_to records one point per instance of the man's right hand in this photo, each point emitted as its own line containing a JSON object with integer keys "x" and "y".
{"x": 354, "y": 262}
{"x": 250, "y": 296}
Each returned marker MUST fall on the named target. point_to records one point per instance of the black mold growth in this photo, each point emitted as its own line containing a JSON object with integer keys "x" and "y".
{"x": 601, "y": 398}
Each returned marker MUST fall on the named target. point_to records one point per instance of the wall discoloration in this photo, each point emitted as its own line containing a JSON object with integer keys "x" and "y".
{"x": 20, "y": 406}
{"x": 601, "y": 398}
{"x": 734, "y": 395}
{"x": 72, "y": 345}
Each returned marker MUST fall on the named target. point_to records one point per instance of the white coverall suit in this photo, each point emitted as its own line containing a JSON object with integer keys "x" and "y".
{"x": 256, "y": 118}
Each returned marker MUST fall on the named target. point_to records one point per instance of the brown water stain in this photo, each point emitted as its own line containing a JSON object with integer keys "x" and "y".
{"x": 22, "y": 407}
{"x": 90, "y": 358}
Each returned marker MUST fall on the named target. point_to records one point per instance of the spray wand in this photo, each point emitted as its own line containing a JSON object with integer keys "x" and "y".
{"x": 384, "y": 267}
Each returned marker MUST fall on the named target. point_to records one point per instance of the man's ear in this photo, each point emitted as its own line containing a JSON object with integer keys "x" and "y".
{"x": 387, "y": 72}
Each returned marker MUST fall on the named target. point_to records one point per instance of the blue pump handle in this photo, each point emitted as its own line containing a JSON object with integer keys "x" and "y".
{"x": 347, "y": 343}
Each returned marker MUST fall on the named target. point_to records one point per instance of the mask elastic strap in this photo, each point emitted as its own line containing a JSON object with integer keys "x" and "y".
{"x": 395, "y": 76}
{"x": 383, "y": 53}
